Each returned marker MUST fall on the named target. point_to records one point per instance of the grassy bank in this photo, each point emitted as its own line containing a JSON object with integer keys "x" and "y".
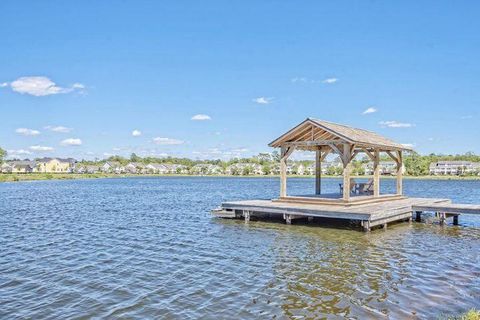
{"x": 12, "y": 177}
{"x": 470, "y": 315}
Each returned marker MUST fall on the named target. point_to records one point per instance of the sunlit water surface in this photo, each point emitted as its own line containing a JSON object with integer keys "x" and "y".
{"x": 148, "y": 248}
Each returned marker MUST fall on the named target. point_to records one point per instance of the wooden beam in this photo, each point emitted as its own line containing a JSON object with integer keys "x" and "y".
{"x": 318, "y": 172}
{"x": 311, "y": 143}
{"x": 346, "y": 171}
{"x": 336, "y": 150}
{"x": 376, "y": 173}
{"x": 369, "y": 154}
{"x": 399, "y": 173}
{"x": 285, "y": 153}
{"x": 394, "y": 158}
{"x": 325, "y": 153}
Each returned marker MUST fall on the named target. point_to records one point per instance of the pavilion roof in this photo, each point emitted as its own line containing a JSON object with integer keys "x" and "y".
{"x": 312, "y": 133}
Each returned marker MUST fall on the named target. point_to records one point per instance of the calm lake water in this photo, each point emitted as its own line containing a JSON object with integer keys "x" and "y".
{"x": 148, "y": 248}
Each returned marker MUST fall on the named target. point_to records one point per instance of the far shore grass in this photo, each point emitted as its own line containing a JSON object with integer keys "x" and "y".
{"x": 13, "y": 177}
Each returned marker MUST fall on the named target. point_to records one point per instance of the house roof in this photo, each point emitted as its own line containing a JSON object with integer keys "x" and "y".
{"x": 46, "y": 159}
{"x": 23, "y": 163}
{"x": 312, "y": 133}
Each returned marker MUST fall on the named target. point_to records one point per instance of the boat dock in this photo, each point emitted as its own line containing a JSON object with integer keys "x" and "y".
{"x": 360, "y": 202}
{"x": 367, "y": 215}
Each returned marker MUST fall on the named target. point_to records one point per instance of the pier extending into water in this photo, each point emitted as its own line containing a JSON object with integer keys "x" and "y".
{"x": 361, "y": 202}
{"x": 367, "y": 215}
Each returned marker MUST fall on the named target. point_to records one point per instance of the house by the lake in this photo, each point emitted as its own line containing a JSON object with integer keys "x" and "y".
{"x": 454, "y": 168}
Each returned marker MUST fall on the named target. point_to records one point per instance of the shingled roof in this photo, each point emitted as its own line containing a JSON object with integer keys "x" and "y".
{"x": 312, "y": 133}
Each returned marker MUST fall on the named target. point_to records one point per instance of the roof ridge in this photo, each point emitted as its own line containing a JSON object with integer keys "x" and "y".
{"x": 346, "y": 126}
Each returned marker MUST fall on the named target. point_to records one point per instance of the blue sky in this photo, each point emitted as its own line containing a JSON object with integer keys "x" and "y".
{"x": 76, "y": 79}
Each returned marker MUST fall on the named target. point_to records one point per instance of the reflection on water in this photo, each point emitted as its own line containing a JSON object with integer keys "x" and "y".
{"x": 149, "y": 248}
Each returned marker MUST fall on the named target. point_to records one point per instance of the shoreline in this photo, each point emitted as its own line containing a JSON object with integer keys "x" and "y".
{"x": 18, "y": 177}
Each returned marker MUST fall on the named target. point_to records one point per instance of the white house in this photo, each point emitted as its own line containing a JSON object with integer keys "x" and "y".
{"x": 454, "y": 167}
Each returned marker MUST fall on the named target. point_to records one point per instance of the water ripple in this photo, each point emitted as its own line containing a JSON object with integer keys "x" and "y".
{"x": 148, "y": 248}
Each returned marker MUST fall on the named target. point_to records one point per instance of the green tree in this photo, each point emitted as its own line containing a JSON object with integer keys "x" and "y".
{"x": 3, "y": 154}
{"x": 247, "y": 171}
{"x": 135, "y": 158}
{"x": 266, "y": 169}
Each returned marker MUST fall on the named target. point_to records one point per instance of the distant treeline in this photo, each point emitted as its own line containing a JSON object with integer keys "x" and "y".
{"x": 415, "y": 164}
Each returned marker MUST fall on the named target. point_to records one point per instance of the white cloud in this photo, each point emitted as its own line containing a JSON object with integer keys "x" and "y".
{"x": 41, "y": 148}
{"x": 27, "y": 132}
{"x": 370, "y": 110}
{"x": 395, "y": 124}
{"x": 18, "y": 152}
{"x": 40, "y": 86}
{"x": 201, "y": 117}
{"x": 136, "y": 133}
{"x": 330, "y": 80}
{"x": 60, "y": 129}
{"x": 3, "y": 84}
{"x": 300, "y": 79}
{"x": 263, "y": 100}
{"x": 408, "y": 145}
{"x": 430, "y": 139}
{"x": 240, "y": 150}
{"x": 167, "y": 141}
{"x": 71, "y": 142}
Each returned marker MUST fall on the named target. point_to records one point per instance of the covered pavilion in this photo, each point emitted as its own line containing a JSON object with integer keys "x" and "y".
{"x": 324, "y": 138}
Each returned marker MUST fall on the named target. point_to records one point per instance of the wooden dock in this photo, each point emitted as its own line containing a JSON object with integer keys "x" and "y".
{"x": 361, "y": 202}
{"x": 368, "y": 215}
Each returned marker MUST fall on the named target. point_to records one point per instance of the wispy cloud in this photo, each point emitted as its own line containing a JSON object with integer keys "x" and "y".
{"x": 408, "y": 145}
{"x": 71, "y": 142}
{"x": 263, "y": 100}
{"x": 240, "y": 150}
{"x": 41, "y": 148}
{"x": 466, "y": 117}
{"x": 59, "y": 129}
{"x": 136, "y": 133}
{"x": 40, "y": 86}
{"x": 330, "y": 80}
{"x": 3, "y": 84}
{"x": 301, "y": 80}
{"x": 167, "y": 141}
{"x": 395, "y": 124}
{"x": 18, "y": 152}
{"x": 201, "y": 117}
{"x": 27, "y": 132}
{"x": 370, "y": 110}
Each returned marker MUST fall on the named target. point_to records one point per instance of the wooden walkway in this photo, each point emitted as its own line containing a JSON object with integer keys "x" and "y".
{"x": 369, "y": 215}
{"x": 444, "y": 211}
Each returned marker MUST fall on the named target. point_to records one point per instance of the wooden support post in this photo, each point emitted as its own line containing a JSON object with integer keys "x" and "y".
{"x": 285, "y": 153}
{"x": 288, "y": 218}
{"x": 399, "y": 173}
{"x": 318, "y": 172}
{"x": 385, "y": 226}
{"x": 455, "y": 220}
{"x": 310, "y": 219}
{"x": 418, "y": 216}
{"x": 283, "y": 173}
{"x": 443, "y": 218}
{"x": 376, "y": 173}
{"x": 366, "y": 225}
{"x": 246, "y": 214}
{"x": 346, "y": 159}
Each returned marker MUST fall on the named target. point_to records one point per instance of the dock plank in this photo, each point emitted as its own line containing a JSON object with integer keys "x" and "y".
{"x": 373, "y": 213}
{"x": 448, "y": 208}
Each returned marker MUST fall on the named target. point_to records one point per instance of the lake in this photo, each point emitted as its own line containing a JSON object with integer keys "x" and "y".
{"x": 148, "y": 248}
